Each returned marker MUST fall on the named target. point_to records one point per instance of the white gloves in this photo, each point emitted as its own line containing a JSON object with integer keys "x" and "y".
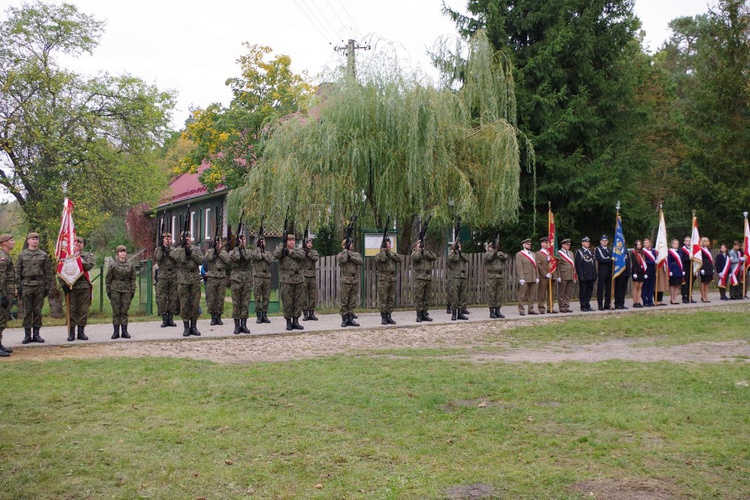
{"x": 635, "y": 276}
{"x": 559, "y": 280}
{"x": 703, "y": 272}
{"x": 548, "y": 276}
{"x": 537, "y": 280}
{"x": 645, "y": 276}
{"x": 670, "y": 274}
{"x": 522, "y": 282}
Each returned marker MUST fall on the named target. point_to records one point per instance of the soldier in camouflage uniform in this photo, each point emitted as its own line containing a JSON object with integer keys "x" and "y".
{"x": 217, "y": 260}
{"x": 311, "y": 284}
{"x": 421, "y": 264}
{"x": 242, "y": 284}
{"x": 189, "y": 259}
{"x": 33, "y": 279}
{"x": 120, "y": 283}
{"x": 385, "y": 271}
{"x": 166, "y": 286}
{"x": 292, "y": 280}
{"x": 7, "y": 287}
{"x": 79, "y": 294}
{"x": 458, "y": 273}
{"x": 494, "y": 266}
{"x": 262, "y": 260}
{"x": 349, "y": 264}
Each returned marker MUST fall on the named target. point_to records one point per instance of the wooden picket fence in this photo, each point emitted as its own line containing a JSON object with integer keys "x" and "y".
{"x": 328, "y": 282}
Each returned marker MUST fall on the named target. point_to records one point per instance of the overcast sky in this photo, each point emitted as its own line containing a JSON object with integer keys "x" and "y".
{"x": 192, "y": 46}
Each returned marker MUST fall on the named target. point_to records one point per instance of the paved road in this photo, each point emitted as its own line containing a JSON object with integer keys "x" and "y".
{"x": 151, "y": 330}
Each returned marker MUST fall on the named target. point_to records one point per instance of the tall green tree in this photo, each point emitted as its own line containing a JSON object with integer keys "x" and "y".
{"x": 574, "y": 84}
{"x": 388, "y": 145}
{"x": 63, "y": 134}
{"x": 229, "y": 138}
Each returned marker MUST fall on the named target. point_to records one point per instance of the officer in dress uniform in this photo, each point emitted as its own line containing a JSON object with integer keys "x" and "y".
{"x": 565, "y": 275}
{"x": 586, "y": 271}
{"x": 603, "y": 274}
{"x": 528, "y": 277}
{"x": 543, "y": 259}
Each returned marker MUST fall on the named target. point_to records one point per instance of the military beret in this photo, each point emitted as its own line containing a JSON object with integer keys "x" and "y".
{"x": 32, "y": 235}
{"x": 527, "y": 240}
{"x": 585, "y": 238}
{"x": 166, "y": 235}
{"x": 566, "y": 240}
{"x": 543, "y": 239}
{"x": 121, "y": 248}
{"x": 604, "y": 237}
{"x": 290, "y": 237}
{"x": 184, "y": 234}
{"x": 387, "y": 239}
{"x": 5, "y": 237}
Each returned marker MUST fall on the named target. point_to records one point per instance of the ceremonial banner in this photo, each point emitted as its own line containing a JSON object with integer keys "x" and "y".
{"x": 69, "y": 265}
{"x": 619, "y": 250}
{"x": 695, "y": 247}
{"x": 662, "y": 246}
{"x": 554, "y": 255}
{"x": 746, "y": 243}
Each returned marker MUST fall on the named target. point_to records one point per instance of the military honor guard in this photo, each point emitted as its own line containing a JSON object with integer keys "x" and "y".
{"x": 494, "y": 266}
{"x": 189, "y": 259}
{"x": 120, "y": 283}
{"x": 586, "y": 271}
{"x": 7, "y": 287}
{"x": 528, "y": 278}
{"x": 167, "y": 299}
{"x": 421, "y": 264}
{"x": 217, "y": 260}
{"x": 262, "y": 260}
{"x": 565, "y": 275}
{"x": 350, "y": 262}
{"x": 34, "y": 279}
{"x": 458, "y": 273}
{"x": 311, "y": 281}
{"x": 241, "y": 284}
{"x": 79, "y": 295}
{"x": 291, "y": 262}
{"x": 385, "y": 272}
{"x": 543, "y": 259}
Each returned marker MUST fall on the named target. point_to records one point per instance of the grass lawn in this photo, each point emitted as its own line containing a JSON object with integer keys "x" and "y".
{"x": 380, "y": 427}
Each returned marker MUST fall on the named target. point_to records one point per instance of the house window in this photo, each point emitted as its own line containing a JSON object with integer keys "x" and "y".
{"x": 207, "y": 226}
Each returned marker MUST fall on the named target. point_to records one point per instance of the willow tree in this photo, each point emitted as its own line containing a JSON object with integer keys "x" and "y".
{"x": 387, "y": 145}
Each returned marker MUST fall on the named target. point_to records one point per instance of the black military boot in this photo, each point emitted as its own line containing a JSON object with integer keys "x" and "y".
{"x": 4, "y": 354}
{"x": 164, "y": 320}
{"x": 259, "y": 315}
{"x": 289, "y": 323}
{"x": 426, "y": 316}
{"x": 296, "y": 325}
{"x": 448, "y": 309}
{"x": 243, "y": 326}
{"x": 461, "y": 315}
{"x": 351, "y": 321}
{"x": 305, "y": 315}
{"x": 185, "y": 328}
{"x": 312, "y": 316}
{"x": 236, "y": 326}
{"x": 265, "y": 319}
{"x": 26, "y": 336}
{"x": 116, "y": 335}
{"x": 499, "y": 314}
{"x": 9, "y": 350}
{"x": 218, "y": 319}
{"x": 344, "y": 320}
{"x": 35, "y": 337}
{"x": 213, "y": 320}
{"x": 72, "y": 333}
{"x": 383, "y": 318}
{"x": 354, "y": 316}
{"x": 453, "y": 315}
{"x": 390, "y": 320}
{"x": 493, "y": 315}
{"x": 465, "y": 311}
{"x": 125, "y": 333}
{"x": 170, "y": 320}
{"x": 194, "y": 328}
{"x": 81, "y": 335}
{"x": 419, "y": 316}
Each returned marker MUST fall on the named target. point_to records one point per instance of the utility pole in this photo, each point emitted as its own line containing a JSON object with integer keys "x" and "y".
{"x": 350, "y": 47}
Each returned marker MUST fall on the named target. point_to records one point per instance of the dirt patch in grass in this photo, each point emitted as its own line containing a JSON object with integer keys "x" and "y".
{"x": 627, "y": 489}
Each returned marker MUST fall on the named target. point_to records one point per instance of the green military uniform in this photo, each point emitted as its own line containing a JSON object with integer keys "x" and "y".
{"x": 421, "y": 264}
{"x": 167, "y": 298}
{"x": 310, "y": 292}
{"x": 385, "y": 272}
{"x": 494, "y": 266}
{"x": 79, "y": 296}
{"x": 349, "y": 264}
{"x": 242, "y": 286}
{"x": 262, "y": 260}
{"x": 7, "y": 291}
{"x": 120, "y": 283}
{"x": 189, "y": 260}
{"x": 292, "y": 281}
{"x": 458, "y": 273}
{"x": 34, "y": 277}
{"x": 216, "y": 282}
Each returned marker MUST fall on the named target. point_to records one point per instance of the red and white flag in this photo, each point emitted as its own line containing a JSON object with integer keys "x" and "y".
{"x": 662, "y": 246}
{"x": 69, "y": 265}
{"x": 695, "y": 247}
{"x": 746, "y": 243}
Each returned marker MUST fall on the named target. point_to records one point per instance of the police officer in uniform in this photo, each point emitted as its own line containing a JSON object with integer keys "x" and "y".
{"x": 292, "y": 280}
{"x": 242, "y": 284}
{"x": 586, "y": 271}
{"x": 7, "y": 287}
{"x": 494, "y": 266}
{"x": 311, "y": 284}
{"x": 385, "y": 271}
{"x": 34, "y": 278}
{"x": 528, "y": 277}
{"x": 167, "y": 300}
{"x": 262, "y": 260}
{"x": 458, "y": 272}
{"x": 349, "y": 264}
{"x": 79, "y": 294}
{"x": 189, "y": 259}
{"x": 421, "y": 264}
{"x": 603, "y": 274}
{"x": 217, "y": 260}
{"x": 120, "y": 283}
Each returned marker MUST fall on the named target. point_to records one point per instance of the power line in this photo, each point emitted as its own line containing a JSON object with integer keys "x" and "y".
{"x": 325, "y": 37}
{"x": 350, "y": 17}
{"x": 335, "y": 13}
{"x": 325, "y": 18}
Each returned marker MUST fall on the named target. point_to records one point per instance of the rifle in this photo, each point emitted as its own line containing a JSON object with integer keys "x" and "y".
{"x": 456, "y": 234}
{"x": 423, "y": 231}
{"x": 350, "y": 231}
{"x": 385, "y": 231}
{"x": 261, "y": 231}
{"x": 185, "y": 227}
{"x": 217, "y": 229}
{"x": 239, "y": 225}
{"x": 306, "y": 235}
{"x": 285, "y": 235}
{"x": 496, "y": 241}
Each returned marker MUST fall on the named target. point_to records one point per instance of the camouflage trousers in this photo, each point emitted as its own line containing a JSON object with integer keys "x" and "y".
{"x": 241, "y": 294}
{"x": 167, "y": 300}
{"x": 349, "y": 293}
{"x": 190, "y": 300}
{"x": 310, "y": 293}
{"x": 80, "y": 301}
{"x": 216, "y": 289}
{"x": 120, "y": 306}
{"x": 262, "y": 291}
{"x": 4, "y": 317}
{"x": 33, "y": 301}
{"x": 291, "y": 298}
{"x": 494, "y": 291}
{"x": 422, "y": 294}
{"x": 457, "y": 293}
{"x": 386, "y": 295}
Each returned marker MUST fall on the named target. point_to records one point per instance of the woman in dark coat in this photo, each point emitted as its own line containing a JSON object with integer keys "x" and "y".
{"x": 676, "y": 272}
{"x": 707, "y": 271}
{"x": 638, "y": 264}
